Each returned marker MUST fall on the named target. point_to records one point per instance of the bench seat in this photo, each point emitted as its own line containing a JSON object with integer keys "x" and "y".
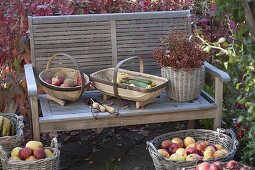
{"x": 77, "y": 115}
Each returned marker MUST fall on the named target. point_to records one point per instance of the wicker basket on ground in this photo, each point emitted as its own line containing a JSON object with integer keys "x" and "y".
{"x": 9, "y": 142}
{"x": 215, "y": 137}
{"x": 51, "y": 163}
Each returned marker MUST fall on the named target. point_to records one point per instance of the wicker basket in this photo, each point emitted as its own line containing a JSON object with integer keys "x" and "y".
{"x": 9, "y": 142}
{"x": 51, "y": 163}
{"x": 184, "y": 85}
{"x": 215, "y": 137}
{"x": 63, "y": 93}
{"x": 106, "y": 81}
{"x": 240, "y": 165}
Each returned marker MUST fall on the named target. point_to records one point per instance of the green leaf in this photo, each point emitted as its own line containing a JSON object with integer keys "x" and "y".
{"x": 240, "y": 119}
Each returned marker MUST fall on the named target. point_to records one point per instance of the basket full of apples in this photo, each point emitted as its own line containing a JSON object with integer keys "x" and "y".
{"x": 63, "y": 83}
{"x": 230, "y": 165}
{"x": 180, "y": 149}
{"x": 33, "y": 156}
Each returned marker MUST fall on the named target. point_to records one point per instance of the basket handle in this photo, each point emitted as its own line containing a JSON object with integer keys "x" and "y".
{"x": 76, "y": 64}
{"x": 115, "y": 85}
{"x": 233, "y": 136}
{"x": 54, "y": 143}
{"x": 153, "y": 150}
{"x": 3, "y": 155}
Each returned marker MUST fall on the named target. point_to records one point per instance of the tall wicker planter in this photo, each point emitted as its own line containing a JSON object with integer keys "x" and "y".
{"x": 184, "y": 84}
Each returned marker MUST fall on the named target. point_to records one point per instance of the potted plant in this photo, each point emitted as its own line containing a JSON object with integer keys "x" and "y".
{"x": 181, "y": 60}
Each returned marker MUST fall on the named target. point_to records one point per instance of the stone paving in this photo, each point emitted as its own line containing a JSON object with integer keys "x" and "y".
{"x": 122, "y": 148}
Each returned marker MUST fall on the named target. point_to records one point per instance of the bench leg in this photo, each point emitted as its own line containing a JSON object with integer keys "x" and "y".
{"x": 106, "y": 97}
{"x": 218, "y": 101}
{"x": 191, "y": 124}
{"x": 59, "y": 101}
{"x": 35, "y": 117}
{"x": 141, "y": 104}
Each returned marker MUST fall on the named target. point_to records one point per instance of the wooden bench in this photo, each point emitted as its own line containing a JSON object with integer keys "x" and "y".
{"x": 99, "y": 41}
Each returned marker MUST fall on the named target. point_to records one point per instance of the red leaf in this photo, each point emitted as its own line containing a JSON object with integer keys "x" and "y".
{"x": 69, "y": 10}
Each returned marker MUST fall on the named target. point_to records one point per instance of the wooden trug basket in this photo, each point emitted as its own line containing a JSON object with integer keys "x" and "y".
{"x": 106, "y": 81}
{"x": 63, "y": 93}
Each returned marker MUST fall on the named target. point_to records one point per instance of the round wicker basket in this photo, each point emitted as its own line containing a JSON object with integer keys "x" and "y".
{"x": 51, "y": 163}
{"x": 64, "y": 93}
{"x": 216, "y": 137}
{"x": 184, "y": 85}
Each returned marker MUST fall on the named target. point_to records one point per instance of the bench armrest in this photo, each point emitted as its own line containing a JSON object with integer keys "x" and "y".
{"x": 217, "y": 72}
{"x": 30, "y": 80}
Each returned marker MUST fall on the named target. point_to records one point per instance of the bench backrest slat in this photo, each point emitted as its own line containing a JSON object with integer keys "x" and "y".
{"x": 99, "y": 41}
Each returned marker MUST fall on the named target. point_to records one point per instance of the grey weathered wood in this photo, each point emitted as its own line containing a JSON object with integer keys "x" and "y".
{"x": 218, "y": 101}
{"x": 114, "y": 43}
{"x": 217, "y": 72}
{"x": 106, "y": 17}
{"x": 30, "y": 80}
{"x": 99, "y": 41}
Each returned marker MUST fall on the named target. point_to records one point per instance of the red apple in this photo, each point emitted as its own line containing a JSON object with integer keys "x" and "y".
{"x": 57, "y": 81}
{"x": 201, "y": 145}
{"x": 39, "y": 153}
{"x": 192, "y": 150}
{"x": 233, "y": 165}
{"x": 210, "y": 144}
{"x": 24, "y": 153}
{"x": 165, "y": 144}
{"x": 216, "y": 166}
{"x": 203, "y": 166}
{"x": 79, "y": 82}
{"x": 173, "y": 148}
{"x": 64, "y": 85}
{"x": 48, "y": 81}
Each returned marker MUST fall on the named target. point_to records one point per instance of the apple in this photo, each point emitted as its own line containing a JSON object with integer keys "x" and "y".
{"x": 190, "y": 146}
{"x": 182, "y": 152}
{"x": 79, "y": 82}
{"x": 219, "y": 146}
{"x": 15, "y": 151}
{"x": 206, "y": 158}
{"x": 189, "y": 140}
{"x": 165, "y": 144}
{"x": 210, "y": 144}
{"x": 193, "y": 157}
{"x": 178, "y": 141}
{"x": 39, "y": 153}
{"x": 34, "y": 145}
{"x": 48, "y": 81}
{"x": 233, "y": 165}
{"x": 201, "y": 145}
{"x": 31, "y": 158}
{"x": 173, "y": 148}
{"x": 48, "y": 152}
{"x": 56, "y": 81}
{"x": 216, "y": 166}
{"x": 64, "y": 85}
{"x": 177, "y": 157}
{"x": 209, "y": 150}
{"x": 14, "y": 158}
{"x": 164, "y": 153}
{"x": 192, "y": 150}
{"x": 24, "y": 153}
{"x": 219, "y": 154}
{"x": 203, "y": 166}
